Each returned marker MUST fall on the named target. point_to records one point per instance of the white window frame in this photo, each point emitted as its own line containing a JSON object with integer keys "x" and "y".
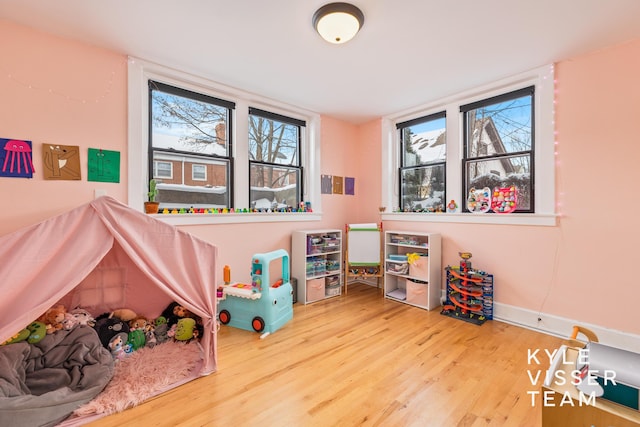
{"x": 141, "y": 71}
{"x": 193, "y": 171}
{"x": 543, "y": 80}
{"x": 155, "y": 173}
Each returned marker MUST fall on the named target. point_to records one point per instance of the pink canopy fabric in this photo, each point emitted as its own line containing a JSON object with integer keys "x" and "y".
{"x": 43, "y": 264}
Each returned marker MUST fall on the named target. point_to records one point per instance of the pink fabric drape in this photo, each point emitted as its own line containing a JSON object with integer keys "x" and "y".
{"x": 44, "y": 262}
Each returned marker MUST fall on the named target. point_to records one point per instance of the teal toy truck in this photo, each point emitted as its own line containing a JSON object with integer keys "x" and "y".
{"x": 261, "y": 306}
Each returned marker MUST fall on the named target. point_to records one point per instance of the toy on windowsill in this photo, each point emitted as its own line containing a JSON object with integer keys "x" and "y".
{"x": 479, "y": 201}
{"x": 504, "y": 200}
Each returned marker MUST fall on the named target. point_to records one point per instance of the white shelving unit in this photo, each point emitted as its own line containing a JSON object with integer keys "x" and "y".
{"x": 419, "y": 282}
{"x": 316, "y": 263}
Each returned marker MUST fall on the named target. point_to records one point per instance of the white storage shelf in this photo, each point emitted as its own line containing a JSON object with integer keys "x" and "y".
{"x": 316, "y": 263}
{"x": 418, "y": 282}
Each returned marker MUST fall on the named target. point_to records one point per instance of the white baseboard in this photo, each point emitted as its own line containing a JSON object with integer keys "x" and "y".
{"x": 563, "y": 327}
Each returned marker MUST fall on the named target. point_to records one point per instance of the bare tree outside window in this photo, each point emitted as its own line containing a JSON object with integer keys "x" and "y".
{"x": 188, "y": 132}
{"x": 274, "y": 151}
{"x": 499, "y": 145}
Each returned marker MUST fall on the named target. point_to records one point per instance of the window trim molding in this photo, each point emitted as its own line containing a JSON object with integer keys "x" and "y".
{"x": 140, "y": 71}
{"x": 544, "y": 153}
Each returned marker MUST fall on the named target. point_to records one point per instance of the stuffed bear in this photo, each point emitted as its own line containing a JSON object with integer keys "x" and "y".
{"x": 53, "y": 318}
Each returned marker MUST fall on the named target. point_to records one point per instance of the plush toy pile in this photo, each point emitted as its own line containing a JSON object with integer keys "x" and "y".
{"x": 121, "y": 331}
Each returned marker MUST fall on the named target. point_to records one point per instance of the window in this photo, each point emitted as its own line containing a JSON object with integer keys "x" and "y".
{"x": 162, "y": 169}
{"x": 189, "y": 132}
{"x": 498, "y": 135}
{"x": 193, "y": 136}
{"x": 423, "y": 145}
{"x": 198, "y": 172}
{"x": 274, "y": 160}
{"x": 499, "y": 145}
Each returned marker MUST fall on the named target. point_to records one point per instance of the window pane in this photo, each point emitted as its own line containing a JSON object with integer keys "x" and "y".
{"x": 188, "y": 125}
{"x": 274, "y": 187}
{"x": 503, "y": 127}
{"x": 162, "y": 170}
{"x": 199, "y": 172}
{"x": 423, "y": 188}
{"x": 424, "y": 143}
{"x": 184, "y": 190}
{"x": 189, "y": 148}
{"x": 500, "y": 173}
{"x": 271, "y": 141}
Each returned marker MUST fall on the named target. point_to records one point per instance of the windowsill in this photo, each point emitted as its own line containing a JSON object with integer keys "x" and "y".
{"x": 471, "y": 218}
{"x": 237, "y": 218}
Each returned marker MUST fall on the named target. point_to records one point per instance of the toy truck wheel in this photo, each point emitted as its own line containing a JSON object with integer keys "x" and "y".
{"x": 258, "y": 324}
{"x": 224, "y": 316}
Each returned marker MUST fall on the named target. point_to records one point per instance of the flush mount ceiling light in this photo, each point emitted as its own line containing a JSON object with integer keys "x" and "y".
{"x": 338, "y": 22}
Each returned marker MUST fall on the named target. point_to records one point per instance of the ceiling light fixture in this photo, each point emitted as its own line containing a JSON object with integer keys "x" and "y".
{"x": 338, "y": 22}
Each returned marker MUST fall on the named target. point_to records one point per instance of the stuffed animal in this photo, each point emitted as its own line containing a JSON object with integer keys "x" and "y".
{"x": 139, "y": 322}
{"x": 53, "y": 318}
{"x": 124, "y": 314}
{"x": 150, "y": 339}
{"x": 117, "y": 348}
{"x": 18, "y": 337}
{"x": 37, "y": 331}
{"x": 136, "y": 339}
{"x": 83, "y": 317}
{"x": 161, "y": 332}
{"x": 110, "y": 327}
{"x": 175, "y": 312}
{"x": 69, "y": 321}
{"x": 185, "y": 329}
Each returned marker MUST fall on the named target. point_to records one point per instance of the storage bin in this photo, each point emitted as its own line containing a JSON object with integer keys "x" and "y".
{"x": 315, "y": 289}
{"x": 332, "y": 290}
{"x": 417, "y": 293}
{"x": 332, "y": 280}
{"x": 420, "y": 268}
{"x": 397, "y": 267}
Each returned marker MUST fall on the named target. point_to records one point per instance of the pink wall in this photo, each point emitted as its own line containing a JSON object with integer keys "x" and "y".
{"x": 576, "y": 270}
{"x": 37, "y": 62}
{"x": 579, "y": 269}
{"x": 58, "y": 91}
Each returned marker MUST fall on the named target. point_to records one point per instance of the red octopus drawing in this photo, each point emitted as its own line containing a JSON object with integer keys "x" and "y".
{"x": 14, "y": 148}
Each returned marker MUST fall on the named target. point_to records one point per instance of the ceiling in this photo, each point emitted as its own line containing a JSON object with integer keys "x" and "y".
{"x": 408, "y": 53}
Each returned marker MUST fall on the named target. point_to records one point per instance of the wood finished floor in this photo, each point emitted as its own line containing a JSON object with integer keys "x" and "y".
{"x": 359, "y": 360}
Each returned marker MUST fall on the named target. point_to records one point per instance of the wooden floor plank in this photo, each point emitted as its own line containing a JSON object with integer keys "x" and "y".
{"x": 358, "y": 360}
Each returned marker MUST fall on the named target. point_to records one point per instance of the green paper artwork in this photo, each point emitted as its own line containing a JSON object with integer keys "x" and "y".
{"x": 104, "y": 165}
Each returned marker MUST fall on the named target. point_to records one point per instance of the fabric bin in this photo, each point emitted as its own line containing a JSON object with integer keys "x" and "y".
{"x": 417, "y": 293}
{"x": 397, "y": 267}
{"x": 420, "y": 268}
{"x": 315, "y": 289}
{"x": 332, "y": 290}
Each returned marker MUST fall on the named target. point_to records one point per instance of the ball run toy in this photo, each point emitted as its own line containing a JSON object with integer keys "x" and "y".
{"x": 469, "y": 292}
{"x": 504, "y": 200}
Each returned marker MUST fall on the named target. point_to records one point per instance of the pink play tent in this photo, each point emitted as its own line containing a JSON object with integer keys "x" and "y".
{"x": 104, "y": 256}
